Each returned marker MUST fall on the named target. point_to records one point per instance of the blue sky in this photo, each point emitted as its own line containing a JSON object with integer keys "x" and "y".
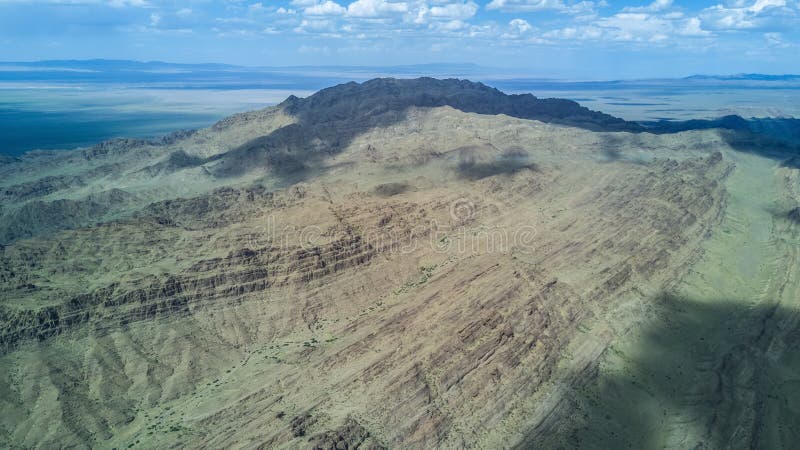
{"x": 552, "y": 38}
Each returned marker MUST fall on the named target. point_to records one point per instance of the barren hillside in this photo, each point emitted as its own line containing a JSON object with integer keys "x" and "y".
{"x": 401, "y": 264}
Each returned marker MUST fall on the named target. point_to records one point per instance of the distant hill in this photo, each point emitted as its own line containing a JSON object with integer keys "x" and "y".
{"x": 122, "y": 65}
{"x": 433, "y": 69}
{"x": 745, "y": 77}
{"x": 221, "y": 76}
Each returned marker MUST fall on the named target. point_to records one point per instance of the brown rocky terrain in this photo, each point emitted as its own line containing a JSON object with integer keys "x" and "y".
{"x": 384, "y": 265}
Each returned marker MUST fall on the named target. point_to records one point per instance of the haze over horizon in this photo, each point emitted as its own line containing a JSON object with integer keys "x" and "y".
{"x": 464, "y": 70}
{"x": 547, "y": 38}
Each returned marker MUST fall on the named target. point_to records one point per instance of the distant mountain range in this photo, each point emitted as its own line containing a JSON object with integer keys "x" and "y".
{"x": 746, "y": 77}
{"x": 116, "y": 66}
{"x": 100, "y": 69}
{"x": 221, "y": 76}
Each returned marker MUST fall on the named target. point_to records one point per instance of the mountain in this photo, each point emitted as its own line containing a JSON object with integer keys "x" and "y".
{"x": 375, "y": 97}
{"x": 746, "y": 77}
{"x": 403, "y": 264}
{"x": 327, "y": 121}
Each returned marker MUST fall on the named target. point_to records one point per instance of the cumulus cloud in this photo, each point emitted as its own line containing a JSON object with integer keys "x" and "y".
{"x": 654, "y": 22}
{"x": 459, "y": 11}
{"x": 327, "y": 8}
{"x": 319, "y": 26}
{"x": 541, "y": 5}
{"x": 692, "y": 27}
{"x": 520, "y": 26}
{"x": 517, "y": 29}
{"x": 450, "y": 25}
{"x": 634, "y": 26}
{"x": 588, "y": 32}
{"x": 657, "y": 21}
{"x": 759, "y": 14}
{"x": 375, "y": 8}
{"x": 123, "y": 3}
{"x": 657, "y": 5}
{"x": 304, "y": 3}
{"x": 761, "y": 5}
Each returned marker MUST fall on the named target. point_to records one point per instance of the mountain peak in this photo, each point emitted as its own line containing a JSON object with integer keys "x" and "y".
{"x": 351, "y": 101}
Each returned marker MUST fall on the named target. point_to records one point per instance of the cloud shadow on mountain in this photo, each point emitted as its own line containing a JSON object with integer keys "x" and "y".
{"x": 723, "y": 370}
{"x": 774, "y": 138}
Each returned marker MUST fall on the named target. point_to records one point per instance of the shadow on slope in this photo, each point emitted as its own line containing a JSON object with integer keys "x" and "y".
{"x": 330, "y": 119}
{"x": 473, "y": 165}
{"x": 794, "y": 215}
{"x": 774, "y": 138}
{"x": 705, "y": 374}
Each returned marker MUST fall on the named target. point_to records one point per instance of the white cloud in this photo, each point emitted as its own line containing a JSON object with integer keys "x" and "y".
{"x": 155, "y": 18}
{"x": 184, "y": 12}
{"x": 517, "y": 30}
{"x": 450, "y": 25}
{"x": 312, "y": 49}
{"x": 654, "y": 23}
{"x": 255, "y": 7}
{"x": 375, "y": 8}
{"x": 421, "y": 13}
{"x": 459, "y": 11}
{"x": 520, "y": 26}
{"x": 759, "y": 14}
{"x": 635, "y": 27}
{"x": 588, "y": 32}
{"x": 657, "y": 5}
{"x": 542, "y": 5}
{"x": 639, "y": 26}
{"x": 761, "y": 5}
{"x": 307, "y": 25}
{"x": 123, "y": 3}
{"x": 774, "y": 39}
{"x": 327, "y": 8}
{"x": 692, "y": 27}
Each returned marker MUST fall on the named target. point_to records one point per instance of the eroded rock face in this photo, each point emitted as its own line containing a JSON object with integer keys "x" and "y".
{"x": 386, "y": 301}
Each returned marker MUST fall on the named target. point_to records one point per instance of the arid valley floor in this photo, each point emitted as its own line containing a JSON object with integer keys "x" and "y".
{"x": 403, "y": 264}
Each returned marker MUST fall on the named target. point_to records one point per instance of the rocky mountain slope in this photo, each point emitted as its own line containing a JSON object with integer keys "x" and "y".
{"x": 400, "y": 264}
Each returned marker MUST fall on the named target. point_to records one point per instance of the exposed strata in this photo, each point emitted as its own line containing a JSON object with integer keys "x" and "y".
{"x": 418, "y": 284}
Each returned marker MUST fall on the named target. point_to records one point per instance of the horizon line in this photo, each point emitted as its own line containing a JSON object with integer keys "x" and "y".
{"x": 514, "y": 70}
